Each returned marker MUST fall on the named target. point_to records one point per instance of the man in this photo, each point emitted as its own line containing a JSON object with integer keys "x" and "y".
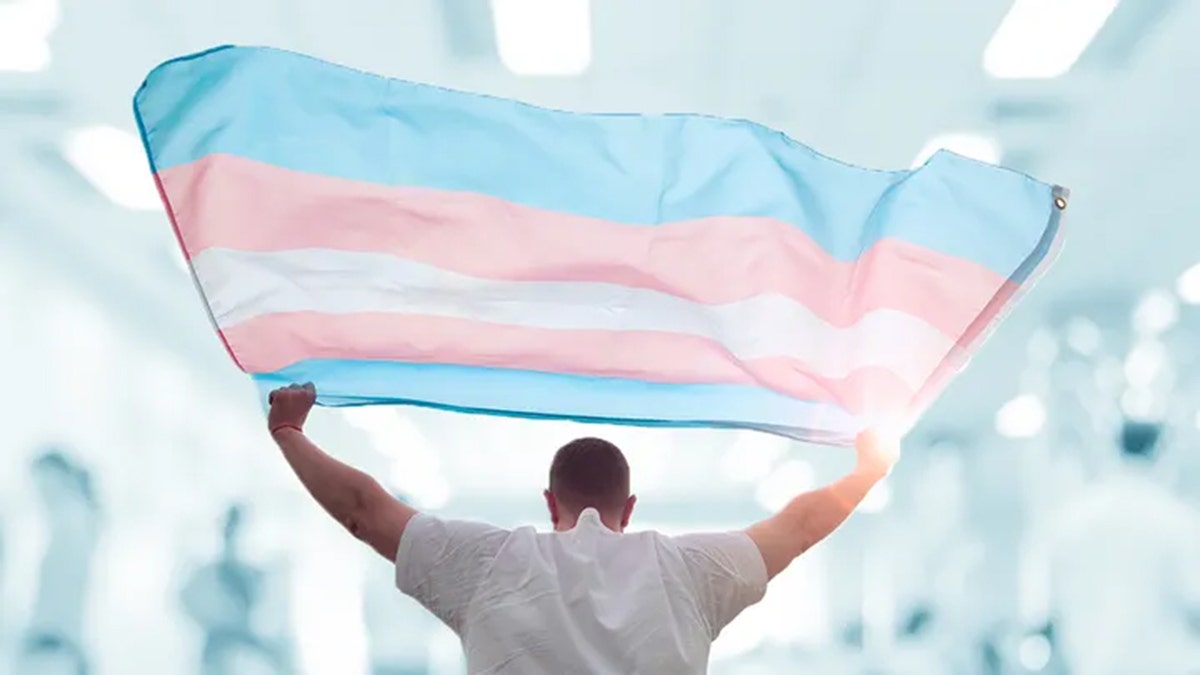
{"x": 1124, "y": 561}
{"x": 221, "y": 597}
{"x": 55, "y": 640}
{"x": 585, "y": 598}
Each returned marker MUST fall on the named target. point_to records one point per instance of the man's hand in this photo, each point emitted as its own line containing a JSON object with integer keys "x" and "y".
{"x": 290, "y": 406}
{"x": 352, "y": 497}
{"x": 877, "y": 453}
{"x": 812, "y": 516}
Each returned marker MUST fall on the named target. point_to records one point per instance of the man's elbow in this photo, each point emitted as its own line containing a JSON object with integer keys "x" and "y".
{"x": 356, "y": 511}
{"x": 372, "y": 518}
{"x": 355, "y": 524}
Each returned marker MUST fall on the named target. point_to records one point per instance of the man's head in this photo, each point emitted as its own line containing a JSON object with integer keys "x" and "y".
{"x": 1139, "y": 440}
{"x": 59, "y": 478}
{"x": 589, "y": 473}
{"x": 53, "y": 468}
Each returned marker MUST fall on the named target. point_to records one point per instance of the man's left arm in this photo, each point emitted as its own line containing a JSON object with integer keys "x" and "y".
{"x": 810, "y": 517}
{"x": 440, "y": 563}
{"x": 353, "y": 498}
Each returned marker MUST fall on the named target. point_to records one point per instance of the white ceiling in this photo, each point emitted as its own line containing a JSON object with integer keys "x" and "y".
{"x": 868, "y": 81}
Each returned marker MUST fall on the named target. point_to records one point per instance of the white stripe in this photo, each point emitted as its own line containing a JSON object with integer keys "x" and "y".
{"x": 241, "y": 285}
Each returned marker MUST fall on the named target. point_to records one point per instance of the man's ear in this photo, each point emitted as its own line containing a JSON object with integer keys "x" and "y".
{"x": 627, "y": 513}
{"x": 552, "y": 506}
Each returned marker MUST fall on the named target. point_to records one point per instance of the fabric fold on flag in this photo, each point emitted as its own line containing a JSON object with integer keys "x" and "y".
{"x": 400, "y": 243}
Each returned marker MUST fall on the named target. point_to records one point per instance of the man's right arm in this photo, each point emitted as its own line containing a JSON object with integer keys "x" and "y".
{"x": 812, "y": 516}
{"x": 357, "y": 501}
{"x": 350, "y": 496}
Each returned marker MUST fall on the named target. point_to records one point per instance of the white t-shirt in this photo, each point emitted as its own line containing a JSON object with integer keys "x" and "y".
{"x": 588, "y": 600}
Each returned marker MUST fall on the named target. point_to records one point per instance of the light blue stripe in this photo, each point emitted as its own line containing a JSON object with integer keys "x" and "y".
{"x": 299, "y": 113}
{"x": 523, "y": 393}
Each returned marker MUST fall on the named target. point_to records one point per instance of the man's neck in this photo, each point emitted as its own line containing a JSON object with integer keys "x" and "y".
{"x": 609, "y": 521}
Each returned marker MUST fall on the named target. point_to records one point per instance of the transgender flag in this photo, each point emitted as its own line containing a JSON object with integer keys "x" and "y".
{"x": 395, "y": 242}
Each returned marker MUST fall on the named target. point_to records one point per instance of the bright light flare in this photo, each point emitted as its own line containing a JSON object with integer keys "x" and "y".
{"x": 113, "y": 161}
{"x": 1022, "y": 417}
{"x": 1155, "y": 312}
{"x": 1187, "y": 287}
{"x": 1042, "y": 39}
{"x": 543, "y": 37}
{"x": 25, "y": 30}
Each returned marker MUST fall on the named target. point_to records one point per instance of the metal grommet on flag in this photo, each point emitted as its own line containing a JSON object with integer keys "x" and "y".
{"x": 1061, "y": 202}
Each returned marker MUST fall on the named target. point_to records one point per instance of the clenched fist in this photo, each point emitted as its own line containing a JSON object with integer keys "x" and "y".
{"x": 877, "y": 453}
{"x": 290, "y": 406}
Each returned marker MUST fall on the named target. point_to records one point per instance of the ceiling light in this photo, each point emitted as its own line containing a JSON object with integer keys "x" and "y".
{"x": 1144, "y": 363}
{"x": 1083, "y": 335}
{"x": 1022, "y": 417}
{"x": 113, "y": 161}
{"x": 1156, "y": 311}
{"x": 1041, "y": 39}
{"x": 1140, "y": 403}
{"x": 25, "y": 27}
{"x": 975, "y": 146}
{"x": 543, "y": 37}
{"x": 23, "y": 55}
{"x": 1188, "y": 285}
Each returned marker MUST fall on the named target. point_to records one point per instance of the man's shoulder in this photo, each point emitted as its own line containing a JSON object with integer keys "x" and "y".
{"x": 456, "y": 524}
{"x": 427, "y": 530}
{"x": 712, "y": 540}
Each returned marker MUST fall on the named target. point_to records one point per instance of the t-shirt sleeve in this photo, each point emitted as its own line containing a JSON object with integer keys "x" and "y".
{"x": 728, "y": 572}
{"x": 441, "y": 563}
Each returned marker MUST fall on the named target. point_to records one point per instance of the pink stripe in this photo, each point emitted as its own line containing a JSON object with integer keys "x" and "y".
{"x": 274, "y": 341}
{"x": 225, "y": 201}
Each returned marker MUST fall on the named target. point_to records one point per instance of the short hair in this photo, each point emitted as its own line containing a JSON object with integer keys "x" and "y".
{"x": 53, "y": 460}
{"x": 590, "y": 472}
{"x": 58, "y": 462}
{"x": 1140, "y": 439}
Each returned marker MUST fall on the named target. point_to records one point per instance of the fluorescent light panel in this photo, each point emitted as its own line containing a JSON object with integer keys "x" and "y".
{"x": 1022, "y": 417}
{"x": 543, "y": 37}
{"x": 1188, "y": 285}
{"x": 22, "y": 55}
{"x": 1155, "y": 313}
{"x": 25, "y": 29}
{"x": 1042, "y": 39}
{"x": 112, "y": 160}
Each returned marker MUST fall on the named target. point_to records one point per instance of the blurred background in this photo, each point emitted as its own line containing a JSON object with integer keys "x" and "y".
{"x": 1042, "y": 520}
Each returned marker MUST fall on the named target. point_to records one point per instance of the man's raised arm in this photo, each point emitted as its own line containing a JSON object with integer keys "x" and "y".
{"x": 352, "y": 497}
{"x": 812, "y": 516}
